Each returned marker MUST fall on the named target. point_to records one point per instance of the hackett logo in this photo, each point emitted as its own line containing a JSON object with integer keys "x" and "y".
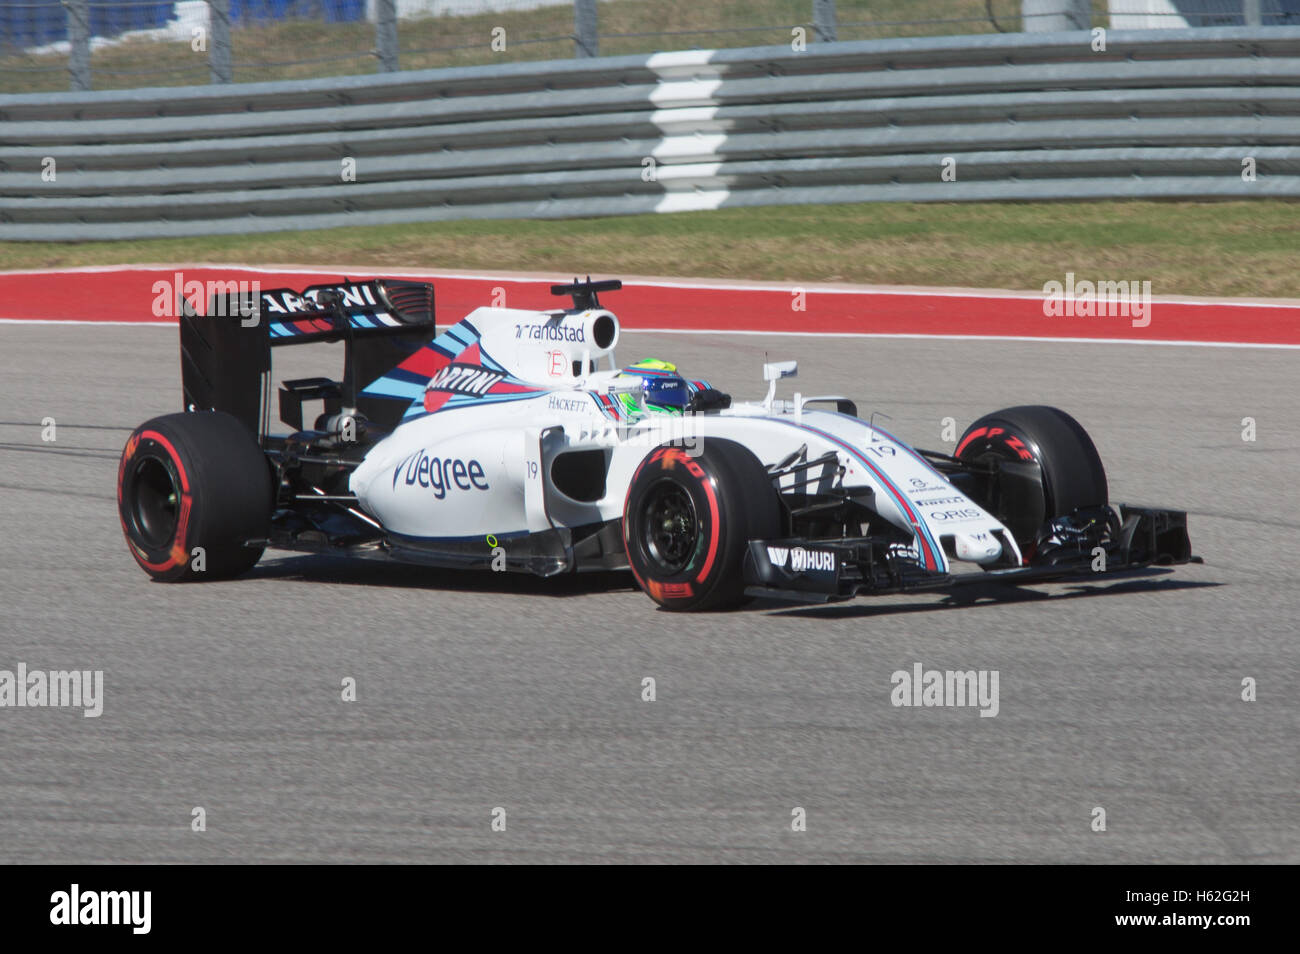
{"x": 103, "y": 907}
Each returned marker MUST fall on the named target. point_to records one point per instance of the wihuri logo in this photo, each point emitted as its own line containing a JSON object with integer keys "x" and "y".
{"x": 1106, "y": 299}
{"x": 932, "y": 687}
{"x": 801, "y": 560}
{"x": 102, "y": 907}
{"x": 57, "y": 688}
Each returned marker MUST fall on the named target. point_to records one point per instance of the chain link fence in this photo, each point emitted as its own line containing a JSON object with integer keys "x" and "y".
{"x": 49, "y": 45}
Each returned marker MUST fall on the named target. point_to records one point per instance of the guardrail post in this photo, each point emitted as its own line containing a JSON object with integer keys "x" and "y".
{"x": 219, "y": 68}
{"x": 1251, "y": 13}
{"x": 386, "y": 35}
{"x": 824, "y": 23}
{"x": 586, "y": 42}
{"x": 1055, "y": 16}
{"x": 79, "y": 41}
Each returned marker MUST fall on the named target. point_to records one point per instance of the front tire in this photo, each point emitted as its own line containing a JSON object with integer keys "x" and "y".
{"x": 1071, "y": 472}
{"x": 192, "y": 489}
{"x": 688, "y": 521}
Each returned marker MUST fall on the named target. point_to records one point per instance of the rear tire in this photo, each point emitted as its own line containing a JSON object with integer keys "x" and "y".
{"x": 688, "y": 521}
{"x": 194, "y": 480}
{"x": 1072, "y": 472}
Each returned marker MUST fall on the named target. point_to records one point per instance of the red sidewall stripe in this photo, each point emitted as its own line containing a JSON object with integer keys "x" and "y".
{"x": 178, "y": 554}
{"x": 715, "y": 530}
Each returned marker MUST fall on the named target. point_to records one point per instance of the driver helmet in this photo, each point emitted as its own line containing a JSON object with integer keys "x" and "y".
{"x": 666, "y": 391}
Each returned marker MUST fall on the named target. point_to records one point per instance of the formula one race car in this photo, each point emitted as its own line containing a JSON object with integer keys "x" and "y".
{"x": 500, "y": 444}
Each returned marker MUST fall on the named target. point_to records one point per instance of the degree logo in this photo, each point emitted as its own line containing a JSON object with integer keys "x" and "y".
{"x": 440, "y": 474}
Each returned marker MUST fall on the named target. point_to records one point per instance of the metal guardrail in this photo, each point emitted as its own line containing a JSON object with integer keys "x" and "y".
{"x": 1180, "y": 114}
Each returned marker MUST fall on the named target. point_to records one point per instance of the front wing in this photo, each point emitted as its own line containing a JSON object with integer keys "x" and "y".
{"x": 1085, "y": 543}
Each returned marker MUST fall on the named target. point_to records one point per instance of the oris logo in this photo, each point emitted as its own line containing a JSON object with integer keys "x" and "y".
{"x": 440, "y": 474}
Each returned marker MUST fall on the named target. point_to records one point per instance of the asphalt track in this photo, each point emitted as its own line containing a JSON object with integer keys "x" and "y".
{"x": 483, "y": 691}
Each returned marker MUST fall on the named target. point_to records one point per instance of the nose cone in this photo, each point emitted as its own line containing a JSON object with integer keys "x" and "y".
{"x": 976, "y": 547}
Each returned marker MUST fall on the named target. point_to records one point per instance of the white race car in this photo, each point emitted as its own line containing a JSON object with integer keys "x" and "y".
{"x": 514, "y": 440}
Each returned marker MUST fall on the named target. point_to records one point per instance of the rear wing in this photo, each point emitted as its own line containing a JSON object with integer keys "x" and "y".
{"x": 226, "y": 353}
{"x": 368, "y": 307}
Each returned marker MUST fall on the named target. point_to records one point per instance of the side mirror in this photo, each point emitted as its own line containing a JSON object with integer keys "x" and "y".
{"x": 780, "y": 369}
{"x": 773, "y": 372}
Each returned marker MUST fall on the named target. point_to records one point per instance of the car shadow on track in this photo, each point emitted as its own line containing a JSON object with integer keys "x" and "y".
{"x": 356, "y": 572}
{"x": 993, "y": 593}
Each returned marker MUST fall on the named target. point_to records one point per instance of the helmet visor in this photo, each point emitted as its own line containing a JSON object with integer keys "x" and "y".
{"x": 667, "y": 391}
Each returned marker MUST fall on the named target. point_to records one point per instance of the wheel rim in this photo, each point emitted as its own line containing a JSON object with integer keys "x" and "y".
{"x": 155, "y": 502}
{"x": 670, "y": 528}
